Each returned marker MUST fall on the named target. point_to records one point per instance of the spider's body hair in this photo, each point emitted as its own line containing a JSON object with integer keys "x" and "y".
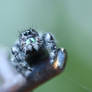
{"x": 31, "y": 45}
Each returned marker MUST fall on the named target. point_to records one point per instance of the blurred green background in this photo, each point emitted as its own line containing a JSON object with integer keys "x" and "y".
{"x": 71, "y": 23}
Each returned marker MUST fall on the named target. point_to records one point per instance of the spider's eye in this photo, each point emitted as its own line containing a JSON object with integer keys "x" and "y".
{"x": 30, "y": 40}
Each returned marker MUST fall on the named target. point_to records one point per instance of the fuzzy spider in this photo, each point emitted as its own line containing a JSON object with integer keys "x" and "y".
{"x": 32, "y": 48}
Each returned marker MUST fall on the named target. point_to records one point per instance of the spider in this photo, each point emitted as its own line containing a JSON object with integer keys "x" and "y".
{"x": 31, "y": 49}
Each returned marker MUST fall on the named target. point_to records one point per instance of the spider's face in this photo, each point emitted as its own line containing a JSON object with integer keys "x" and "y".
{"x": 30, "y": 41}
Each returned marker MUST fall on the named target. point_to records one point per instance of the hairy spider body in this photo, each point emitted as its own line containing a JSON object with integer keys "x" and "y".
{"x": 31, "y": 48}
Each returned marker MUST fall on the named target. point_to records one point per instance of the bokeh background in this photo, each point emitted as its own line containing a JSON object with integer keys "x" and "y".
{"x": 71, "y": 23}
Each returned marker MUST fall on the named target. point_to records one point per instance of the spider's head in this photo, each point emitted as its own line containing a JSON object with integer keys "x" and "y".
{"x": 30, "y": 41}
{"x": 31, "y": 44}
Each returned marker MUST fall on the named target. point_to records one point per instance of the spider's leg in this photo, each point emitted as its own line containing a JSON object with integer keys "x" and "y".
{"x": 50, "y": 45}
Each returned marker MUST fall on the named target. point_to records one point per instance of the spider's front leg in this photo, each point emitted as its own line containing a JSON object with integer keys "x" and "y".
{"x": 50, "y": 45}
{"x": 16, "y": 51}
{"x": 17, "y": 56}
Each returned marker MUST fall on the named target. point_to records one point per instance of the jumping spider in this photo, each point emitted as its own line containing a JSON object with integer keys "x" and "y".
{"x": 31, "y": 48}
